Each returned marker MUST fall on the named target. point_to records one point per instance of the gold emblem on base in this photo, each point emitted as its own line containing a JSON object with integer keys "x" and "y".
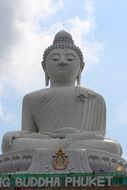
{"x": 60, "y": 160}
{"x": 120, "y": 168}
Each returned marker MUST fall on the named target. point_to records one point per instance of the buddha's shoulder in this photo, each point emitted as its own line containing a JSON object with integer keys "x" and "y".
{"x": 90, "y": 93}
{"x": 36, "y": 94}
{"x": 47, "y": 92}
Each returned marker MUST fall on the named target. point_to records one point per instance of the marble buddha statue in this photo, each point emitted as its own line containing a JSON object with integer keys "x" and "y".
{"x": 65, "y": 114}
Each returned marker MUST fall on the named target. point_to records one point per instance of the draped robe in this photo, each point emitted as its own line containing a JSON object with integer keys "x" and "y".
{"x": 52, "y": 109}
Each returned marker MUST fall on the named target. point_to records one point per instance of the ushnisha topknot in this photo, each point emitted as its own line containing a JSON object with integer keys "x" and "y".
{"x": 63, "y": 40}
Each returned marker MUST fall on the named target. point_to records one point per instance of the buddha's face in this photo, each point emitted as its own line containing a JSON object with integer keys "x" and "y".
{"x": 63, "y": 65}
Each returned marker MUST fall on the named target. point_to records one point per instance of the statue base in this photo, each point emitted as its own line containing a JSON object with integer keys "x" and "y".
{"x": 66, "y": 161}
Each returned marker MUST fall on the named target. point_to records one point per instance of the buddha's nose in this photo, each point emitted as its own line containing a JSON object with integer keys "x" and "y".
{"x": 62, "y": 64}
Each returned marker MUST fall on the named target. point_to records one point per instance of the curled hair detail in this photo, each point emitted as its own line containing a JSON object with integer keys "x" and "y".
{"x": 62, "y": 46}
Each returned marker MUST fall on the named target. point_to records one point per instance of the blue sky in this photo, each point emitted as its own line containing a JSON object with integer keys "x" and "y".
{"x": 99, "y": 28}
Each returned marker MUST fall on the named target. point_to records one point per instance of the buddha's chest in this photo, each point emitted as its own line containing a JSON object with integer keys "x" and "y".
{"x": 56, "y": 103}
{"x": 62, "y": 107}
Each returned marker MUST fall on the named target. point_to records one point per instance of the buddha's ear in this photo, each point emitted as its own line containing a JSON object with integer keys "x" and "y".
{"x": 46, "y": 74}
{"x": 79, "y": 74}
{"x": 78, "y": 79}
{"x": 82, "y": 66}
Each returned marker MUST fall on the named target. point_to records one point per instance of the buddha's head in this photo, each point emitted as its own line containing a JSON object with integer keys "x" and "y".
{"x": 63, "y": 60}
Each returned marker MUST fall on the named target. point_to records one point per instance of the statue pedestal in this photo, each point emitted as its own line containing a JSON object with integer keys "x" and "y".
{"x": 71, "y": 160}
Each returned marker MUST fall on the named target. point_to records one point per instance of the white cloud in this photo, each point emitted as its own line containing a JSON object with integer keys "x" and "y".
{"x": 23, "y": 41}
{"x": 5, "y": 115}
{"x": 89, "y": 9}
{"x": 1, "y": 89}
{"x": 81, "y": 29}
{"x": 21, "y": 46}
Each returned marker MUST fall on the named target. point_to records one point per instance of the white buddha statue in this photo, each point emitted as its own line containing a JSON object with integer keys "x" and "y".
{"x": 66, "y": 113}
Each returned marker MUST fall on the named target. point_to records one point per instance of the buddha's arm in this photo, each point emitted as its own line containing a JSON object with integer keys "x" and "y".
{"x": 28, "y": 122}
{"x": 94, "y": 120}
{"x": 101, "y": 115}
{"x": 99, "y": 118}
{"x": 28, "y": 127}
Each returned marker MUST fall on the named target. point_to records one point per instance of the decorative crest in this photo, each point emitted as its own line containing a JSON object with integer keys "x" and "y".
{"x": 60, "y": 160}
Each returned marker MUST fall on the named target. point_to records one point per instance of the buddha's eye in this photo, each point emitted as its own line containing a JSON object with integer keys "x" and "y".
{"x": 70, "y": 57}
{"x": 55, "y": 57}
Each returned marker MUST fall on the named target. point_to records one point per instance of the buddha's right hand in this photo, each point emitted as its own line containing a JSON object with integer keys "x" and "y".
{"x": 8, "y": 138}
